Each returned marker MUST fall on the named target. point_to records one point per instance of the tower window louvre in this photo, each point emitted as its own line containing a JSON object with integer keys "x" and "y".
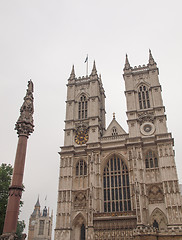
{"x": 143, "y": 97}
{"x": 117, "y": 189}
{"x": 82, "y": 108}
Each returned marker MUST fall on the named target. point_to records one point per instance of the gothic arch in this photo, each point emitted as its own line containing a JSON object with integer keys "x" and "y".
{"x": 158, "y": 219}
{"x": 106, "y": 159}
{"x": 140, "y": 83}
{"x": 79, "y": 219}
{"x": 79, "y": 227}
{"x": 81, "y": 94}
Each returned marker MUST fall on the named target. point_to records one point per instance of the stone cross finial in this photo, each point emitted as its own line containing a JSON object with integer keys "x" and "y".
{"x": 24, "y": 125}
{"x": 114, "y": 117}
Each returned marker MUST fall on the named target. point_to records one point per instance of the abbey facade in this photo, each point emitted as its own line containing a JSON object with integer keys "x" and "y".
{"x": 114, "y": 184}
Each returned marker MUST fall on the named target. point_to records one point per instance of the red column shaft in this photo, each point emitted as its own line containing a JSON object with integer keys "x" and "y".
{"x": 15, "y": 189}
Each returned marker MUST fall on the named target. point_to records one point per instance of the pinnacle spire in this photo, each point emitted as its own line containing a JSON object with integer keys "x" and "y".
{"x": 37, "y": 203}
{"x": 72, "y": 75}
{"x": 94, "y": 70}
{"x": 127, "y": 64}
{"x": 151, "y": 59}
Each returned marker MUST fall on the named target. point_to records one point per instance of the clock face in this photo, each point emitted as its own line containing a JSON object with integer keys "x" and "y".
{"x": 147, "y": 128}
{"x": 81, "y": 137}
{"x": 33, "y": 223}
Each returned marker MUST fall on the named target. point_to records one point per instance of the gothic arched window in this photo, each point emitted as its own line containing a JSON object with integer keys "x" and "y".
{"x": 116, "y": 186}
{"x": 81, "y": 168}
{"x": 143, "y": 97}
{"x": 82, "y": 108}
{"x": 151, "y": 160}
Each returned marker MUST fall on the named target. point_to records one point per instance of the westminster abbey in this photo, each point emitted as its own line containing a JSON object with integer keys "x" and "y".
{"x": 115, "y": 184}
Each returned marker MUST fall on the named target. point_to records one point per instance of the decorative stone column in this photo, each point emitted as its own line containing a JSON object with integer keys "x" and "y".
{"x": 24, "y": 127}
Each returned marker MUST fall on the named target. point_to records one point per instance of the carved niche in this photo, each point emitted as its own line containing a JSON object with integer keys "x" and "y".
{"x": 158, "y": 219}
{"x": 155, "y": 193}
{"x": 80, "y": 200}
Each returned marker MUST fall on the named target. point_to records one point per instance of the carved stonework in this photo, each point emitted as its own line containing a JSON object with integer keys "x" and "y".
{"x": 80, "y": 200}
{"x": 155, "y": 193}
{"x": 16, "y": 191}
{"x": 24, "y": 125}
{"x": 114, "y": 229}
{"x": 146, "y": 117}
{"x": 12, "y": 236}
{"x": 8, "y": 236}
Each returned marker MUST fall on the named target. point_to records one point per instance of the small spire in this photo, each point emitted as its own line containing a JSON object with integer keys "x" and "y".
{"x": 151, "y": 59}
{"x": 72, "y": 75}
{"x": 127, "y": 64}
{"x": 37, "y": 203}
{"x": 94, "y": 70}
{"x": 114, "y": 116}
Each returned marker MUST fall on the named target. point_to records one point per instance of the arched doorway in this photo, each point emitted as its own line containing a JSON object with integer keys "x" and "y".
{"x": 82, "y": 233}
{"x": 79, "y": 228}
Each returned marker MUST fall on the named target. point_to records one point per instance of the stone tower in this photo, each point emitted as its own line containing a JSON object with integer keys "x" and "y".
{"x": 40, "y": 224}
{"x": 113, "y": 184}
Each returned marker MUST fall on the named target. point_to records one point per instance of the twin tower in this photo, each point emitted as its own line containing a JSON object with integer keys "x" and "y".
{"x": 115, "y": 184}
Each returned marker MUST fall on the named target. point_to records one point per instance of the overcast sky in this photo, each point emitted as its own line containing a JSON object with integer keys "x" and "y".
{"x": 41, "y": 39}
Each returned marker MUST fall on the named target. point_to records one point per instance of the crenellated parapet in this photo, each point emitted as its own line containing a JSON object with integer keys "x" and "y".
{"x": 152, "y": 65}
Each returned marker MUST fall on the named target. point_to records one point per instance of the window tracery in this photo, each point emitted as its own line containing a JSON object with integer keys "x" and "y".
{"x": 81, "y": 168}
{"x": 143, "y": 97}
{"x": 116, "y": 186}
{"x": 151, "y": 160}
{"x": 82, "y": 107}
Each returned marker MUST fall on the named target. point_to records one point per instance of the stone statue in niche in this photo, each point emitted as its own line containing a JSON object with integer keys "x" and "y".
{"x": 158, "y": 219}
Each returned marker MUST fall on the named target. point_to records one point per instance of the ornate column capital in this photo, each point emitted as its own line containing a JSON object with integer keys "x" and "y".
{"x": 24, "y": 124}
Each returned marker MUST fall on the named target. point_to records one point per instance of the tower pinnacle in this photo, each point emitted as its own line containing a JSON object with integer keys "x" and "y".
{"x": 72, "y": 75}
{"x": 94, "y": 70}
{"x": 127, "y": 64}
{"x": 151, "y": 59}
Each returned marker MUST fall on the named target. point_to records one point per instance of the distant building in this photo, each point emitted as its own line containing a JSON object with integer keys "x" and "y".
{"x": 40, "y": 224}
{"x": 115, "y": 184}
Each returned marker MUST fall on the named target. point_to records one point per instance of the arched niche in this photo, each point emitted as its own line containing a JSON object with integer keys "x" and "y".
{"x": 79, "y": 227}
{"x": 158, "y": 219}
